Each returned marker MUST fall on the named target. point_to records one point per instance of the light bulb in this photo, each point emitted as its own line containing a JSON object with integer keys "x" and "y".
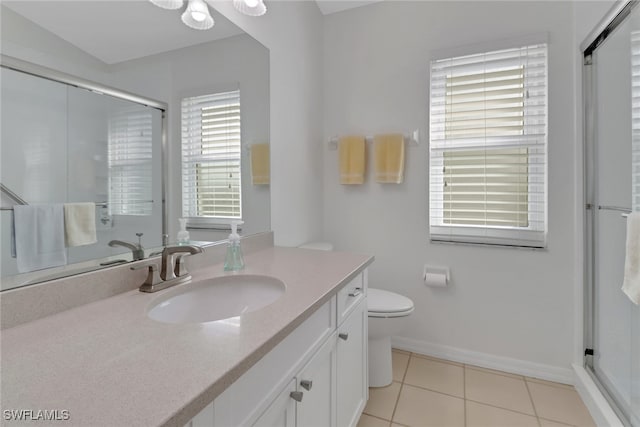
{"x": 250, "y": 7}
{"x": 198, "y": 16}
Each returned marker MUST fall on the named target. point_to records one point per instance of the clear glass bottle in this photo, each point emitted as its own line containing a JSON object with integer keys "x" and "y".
{"x": 234, "y": 260}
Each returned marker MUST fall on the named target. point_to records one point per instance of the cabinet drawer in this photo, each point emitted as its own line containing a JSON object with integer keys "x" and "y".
{"x": 350, "y": 296}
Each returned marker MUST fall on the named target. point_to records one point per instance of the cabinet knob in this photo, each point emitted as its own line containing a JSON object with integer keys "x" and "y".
{"x": 306, "y": 384}
{"x": 355, "y": 292}
{"x": 296, "y": 395}
{"x": 343, "y": 336}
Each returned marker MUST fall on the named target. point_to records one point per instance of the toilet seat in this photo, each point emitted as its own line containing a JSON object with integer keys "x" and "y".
{"x": 385, "y": 304}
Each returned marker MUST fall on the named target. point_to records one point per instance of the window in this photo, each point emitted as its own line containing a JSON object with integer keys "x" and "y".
{"x": 488, "y": 148}
{"x": 130, "y": 153}
{"x": 211, "y": 158}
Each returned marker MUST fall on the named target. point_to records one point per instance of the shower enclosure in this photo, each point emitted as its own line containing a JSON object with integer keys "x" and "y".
{"x": 611, "y": 74}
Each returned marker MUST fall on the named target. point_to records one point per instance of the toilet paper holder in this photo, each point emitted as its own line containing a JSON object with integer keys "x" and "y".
{"x": 436, "y": 276}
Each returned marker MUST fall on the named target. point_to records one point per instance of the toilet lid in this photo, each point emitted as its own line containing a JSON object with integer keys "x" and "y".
{"x": 381, "y": 301}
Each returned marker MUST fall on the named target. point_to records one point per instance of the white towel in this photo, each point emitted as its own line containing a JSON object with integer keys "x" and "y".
{"x": 631, "y": 285}
{"x": 80, "y": 224}
{"x": 39, "y": 237}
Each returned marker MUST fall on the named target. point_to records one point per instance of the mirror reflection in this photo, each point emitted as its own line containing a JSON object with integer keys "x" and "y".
{"x": 63, "y": 144}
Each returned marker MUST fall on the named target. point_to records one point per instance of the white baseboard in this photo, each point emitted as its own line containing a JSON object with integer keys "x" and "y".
{"x": 596, "y": 403}
{"x": 484, "y": 360}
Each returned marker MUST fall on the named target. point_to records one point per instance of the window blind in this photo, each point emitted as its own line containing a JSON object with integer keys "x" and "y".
{"x": 130, "y": 153}
{"x": 635, "y": 121}
{"x": 488, "y": 147}
{"x": 211, "y": 181}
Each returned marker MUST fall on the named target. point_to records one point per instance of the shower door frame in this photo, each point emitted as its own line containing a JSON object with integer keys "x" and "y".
{"x": 616, "y": 16}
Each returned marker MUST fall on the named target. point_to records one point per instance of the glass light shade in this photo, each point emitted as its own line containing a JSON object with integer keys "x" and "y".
{"x": 168, "y": 4}
{"x": 250, "y": 7}
{"x": 197, "y": 15}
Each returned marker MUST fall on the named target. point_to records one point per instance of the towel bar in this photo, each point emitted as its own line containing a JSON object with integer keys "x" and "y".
{"x": 412, "y": 139}
{"x": 614, "y": 208}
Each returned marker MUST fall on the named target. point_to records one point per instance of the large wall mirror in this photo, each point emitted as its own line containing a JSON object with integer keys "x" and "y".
{"x": 96, "y": 114}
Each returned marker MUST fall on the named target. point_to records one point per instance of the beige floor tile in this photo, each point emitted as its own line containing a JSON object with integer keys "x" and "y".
{"x": 400, "y": 362}
{"x": 490, "y": 416}
{"x": 493, "y": 371}
{"x": 382, "y": 401}
{"x": 436, "y": 376}
{"x": 424, "y": 356}
{"x": 559, "y": 404}
{"x": 551, "y": 383}
{"x": 369, "y": 421}
{"x": 397, "y": 350}
{"x": 498, "y": 390}
{"x": 549, "y": 423}
{"x": 422, "y": 408}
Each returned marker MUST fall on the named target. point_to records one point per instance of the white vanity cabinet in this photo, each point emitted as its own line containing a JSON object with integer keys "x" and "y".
{"x": 282, "y": 411}
{"x": 352, "y": 382}
{"x": 316, "y": 387}
{"x": 315, "y": 377}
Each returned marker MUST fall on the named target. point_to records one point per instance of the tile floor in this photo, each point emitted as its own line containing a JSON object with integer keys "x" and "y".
{"x": 433, "y": 392}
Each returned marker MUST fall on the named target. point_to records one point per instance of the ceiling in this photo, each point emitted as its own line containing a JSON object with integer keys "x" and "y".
{"x": 115, "y": 31}
{"x": 332, "y": 6}
{"x": 120, "y": 30}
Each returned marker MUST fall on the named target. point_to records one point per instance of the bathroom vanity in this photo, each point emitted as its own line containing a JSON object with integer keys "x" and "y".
{"x": 301, "y": 358}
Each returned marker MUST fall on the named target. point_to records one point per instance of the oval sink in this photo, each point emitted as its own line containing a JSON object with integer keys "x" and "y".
{"x": 216, "y": 299}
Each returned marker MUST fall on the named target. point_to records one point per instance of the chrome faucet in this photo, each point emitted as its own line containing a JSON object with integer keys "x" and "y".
{"x": 172, "y": 261}
{"x": 173, "y": 270}
{"x": 136, "y": 248}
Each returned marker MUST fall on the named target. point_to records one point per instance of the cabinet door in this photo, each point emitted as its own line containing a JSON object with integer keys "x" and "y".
{"x": 352, "y": 367}
{"x": 317, "y": 383}
{"x": 282, "y": 412}
{"x": 203, "y": 419}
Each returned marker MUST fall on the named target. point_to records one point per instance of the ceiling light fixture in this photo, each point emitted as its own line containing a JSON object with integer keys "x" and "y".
{"x": 250, "y": 7}
{"x": 168, "y": 4}
{"x": 195, "y": 16}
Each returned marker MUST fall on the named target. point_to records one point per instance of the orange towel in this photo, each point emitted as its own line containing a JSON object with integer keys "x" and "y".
{"x": 260, "y": 164}
{"x": 351, "y": 150}
{"x": 389, "y": 158}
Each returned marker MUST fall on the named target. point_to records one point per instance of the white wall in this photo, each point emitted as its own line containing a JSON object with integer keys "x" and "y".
{"x": 292, "y": 30}
{"x": 23, "y": 39}
{"x": 227, "y": 64}
{"x": 506, "y": 303}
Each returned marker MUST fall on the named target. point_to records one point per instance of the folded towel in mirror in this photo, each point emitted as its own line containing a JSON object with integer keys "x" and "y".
{"x": 80, "y": 224}
{"x": 39, "y": 237}
{"x": 260, "y": 164}
{"x": 631, "y": 285}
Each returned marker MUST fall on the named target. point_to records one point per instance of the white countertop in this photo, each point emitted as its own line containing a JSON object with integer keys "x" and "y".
{"x": 108, "y": 364}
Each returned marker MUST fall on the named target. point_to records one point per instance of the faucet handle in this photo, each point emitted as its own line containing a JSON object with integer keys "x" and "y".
{"x": 181, "y": 267}
{"x": 153, "y": 277}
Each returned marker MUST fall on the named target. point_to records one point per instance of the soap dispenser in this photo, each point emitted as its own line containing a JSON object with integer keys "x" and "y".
{"x": 234, "y": 260}
{"x": 183, "y": 235}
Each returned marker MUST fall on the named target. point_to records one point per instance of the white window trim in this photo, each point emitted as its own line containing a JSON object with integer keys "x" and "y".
{"x": 217, "y": 222}
{"x": 494, "y": 235}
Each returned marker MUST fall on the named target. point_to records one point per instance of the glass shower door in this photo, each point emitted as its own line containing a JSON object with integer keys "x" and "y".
{"x": 615, "y": 75}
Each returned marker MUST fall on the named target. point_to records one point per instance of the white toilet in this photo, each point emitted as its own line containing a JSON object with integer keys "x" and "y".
{"x": 387, "y": 317}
